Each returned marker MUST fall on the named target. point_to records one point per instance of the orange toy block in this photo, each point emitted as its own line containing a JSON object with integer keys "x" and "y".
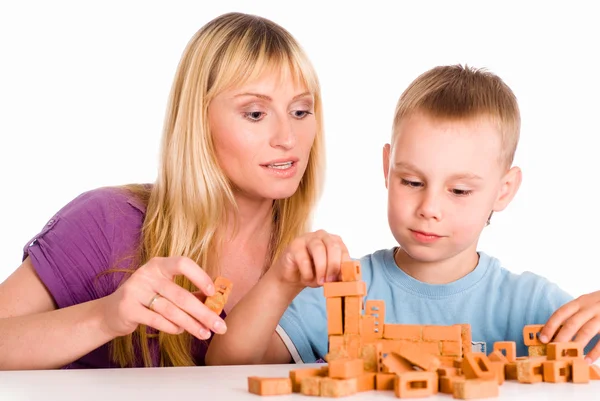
{"x": 442, "y": 333}
{"x": 566, "y": 350}
{"x": 594, "y": 372}
{"x": 428, "y": 347}
{"x": 351, "y": 271}
{"x": 371, "y": 355}
{"x": 531, "y": 334}
{"x": 509, "y": 348}
{"x": 334, "y": 316}
{"x": 510, "y": 371}
{"x": 336, "y": 343}
{"x": 384, "y": 381}
{"x": 447, "y": 360}
{"x": 366, "y": 382}
{"x": 352, "y": 314}
{"x": 416, "y": 384}
{"x": 478, "y": 366}
{"x": 497, "y": 356}
{"x": 556, "y": 371}
{"x": 218, "y": 300}
{"x": 369, "y": 331}
{"x": 335, "y": 355}
{"x": 447, "y": 383}
{"x": 409, "y": 332}
{"x": 344, "y": 289}
{"x": 376, "y": 308}
{"x": 499, "y": 370}
{"x": 447, "y": 371}
{"x": 353, "y": 344}
{"x": 269, "y": 385}
{"x": 394, "y": 363}
{"x": 580, "y": 371}
{"x": 338, "y": 387}
{"x": 530, "y": 370}
{"x": 536, "y": 350}
{"x": 451, "y": 348}
{"x": 465, "y": 335}
{"x": 469, "y": 389}
{"x": 346, "y": 368}
{"x": 414, "y": 355}
{"x": 388, "y": 346}
{"x": 311, "y": 385}
{"x": 296, "y": 376}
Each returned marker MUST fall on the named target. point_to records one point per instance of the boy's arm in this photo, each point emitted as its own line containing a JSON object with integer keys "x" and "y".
{"x": 251, "y": 336}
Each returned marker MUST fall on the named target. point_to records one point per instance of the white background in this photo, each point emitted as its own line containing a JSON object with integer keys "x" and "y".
{"x": 84, "y": 86}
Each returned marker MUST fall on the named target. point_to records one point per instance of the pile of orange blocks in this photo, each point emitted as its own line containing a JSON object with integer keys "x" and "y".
{"x": 414, "y": 361}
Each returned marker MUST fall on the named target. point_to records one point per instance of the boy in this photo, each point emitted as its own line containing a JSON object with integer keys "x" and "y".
{"x": 447, "y": 169}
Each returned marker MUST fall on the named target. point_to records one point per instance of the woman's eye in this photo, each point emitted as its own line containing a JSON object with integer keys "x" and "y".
{"x": 300, "y": 114}
{"x": 254, "y": 115}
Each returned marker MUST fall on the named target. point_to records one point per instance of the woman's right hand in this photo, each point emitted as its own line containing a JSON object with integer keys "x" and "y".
{"x": 311, "y": 260}
{"x": 150, "y": 297}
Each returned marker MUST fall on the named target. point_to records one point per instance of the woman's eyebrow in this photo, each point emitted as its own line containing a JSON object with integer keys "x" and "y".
{"x": 266, "y": 97}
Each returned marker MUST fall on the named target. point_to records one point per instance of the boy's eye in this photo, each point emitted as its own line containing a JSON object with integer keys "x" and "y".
{"x": 461, "y": 192}
{"x": 412, "y": 184}
{"x": 254, "y": 115}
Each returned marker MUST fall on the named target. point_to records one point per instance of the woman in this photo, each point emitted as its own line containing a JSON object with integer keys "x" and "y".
{"x": 117, "y": 277}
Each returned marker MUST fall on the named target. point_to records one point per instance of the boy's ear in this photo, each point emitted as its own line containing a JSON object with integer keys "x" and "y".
{"x": 386, "y": 162}
{"x": 511, "y": 181}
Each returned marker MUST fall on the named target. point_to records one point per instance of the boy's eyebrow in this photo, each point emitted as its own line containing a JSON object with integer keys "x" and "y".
{"x": 459, "y": 176}
{"x": 408, "y": 166}
{"x": 268, "y": 98}
{"x": 466, "y": 176}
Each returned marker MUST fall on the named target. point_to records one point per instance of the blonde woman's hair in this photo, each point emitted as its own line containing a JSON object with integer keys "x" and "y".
{"x": 189, "y": 200}
{"x": 457, "y": 92}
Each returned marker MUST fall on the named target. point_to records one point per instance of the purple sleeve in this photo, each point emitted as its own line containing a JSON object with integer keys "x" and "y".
{"x": 96, "y": 231}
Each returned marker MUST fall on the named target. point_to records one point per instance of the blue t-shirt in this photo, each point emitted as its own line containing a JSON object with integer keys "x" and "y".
{"x": 495, "y": 302}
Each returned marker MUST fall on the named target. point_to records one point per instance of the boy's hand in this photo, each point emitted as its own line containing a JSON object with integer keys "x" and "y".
{"x": 311, "y": 260}
{"x": 580, "y": 318}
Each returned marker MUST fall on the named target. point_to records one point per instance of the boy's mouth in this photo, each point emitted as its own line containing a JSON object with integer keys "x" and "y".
{"x": 426, "y": 234}
{"x": 425, "y": 237}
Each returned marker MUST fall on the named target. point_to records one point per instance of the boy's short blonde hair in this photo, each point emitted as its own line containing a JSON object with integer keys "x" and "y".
{"x": 463, "y": 93}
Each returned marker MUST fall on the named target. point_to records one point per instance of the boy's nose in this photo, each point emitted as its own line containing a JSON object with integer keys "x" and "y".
{"x": 430, "y": 207}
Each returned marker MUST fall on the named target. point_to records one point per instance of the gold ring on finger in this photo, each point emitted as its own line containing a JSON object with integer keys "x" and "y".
{"x": 151, "y": 303}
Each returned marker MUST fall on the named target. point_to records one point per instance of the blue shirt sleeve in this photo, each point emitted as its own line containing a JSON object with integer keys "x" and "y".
{"x": 305, "y": 323}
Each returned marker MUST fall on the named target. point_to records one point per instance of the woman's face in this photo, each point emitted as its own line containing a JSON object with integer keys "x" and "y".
{"x": 263, "y": 132}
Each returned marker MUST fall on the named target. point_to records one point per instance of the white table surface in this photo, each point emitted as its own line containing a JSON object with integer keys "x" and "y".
{"x": 217, "y": 383}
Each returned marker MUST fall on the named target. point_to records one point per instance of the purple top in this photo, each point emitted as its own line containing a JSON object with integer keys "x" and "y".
{"x": 96, "y": 231}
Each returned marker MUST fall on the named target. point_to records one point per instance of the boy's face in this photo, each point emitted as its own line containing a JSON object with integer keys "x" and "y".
{"x": 444, "y": 178}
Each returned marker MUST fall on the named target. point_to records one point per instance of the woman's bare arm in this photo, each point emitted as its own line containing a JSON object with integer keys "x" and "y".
{"x": 34, "y": 334}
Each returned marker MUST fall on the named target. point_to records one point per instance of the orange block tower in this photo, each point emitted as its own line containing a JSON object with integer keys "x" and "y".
{"x": 365, "y": 353}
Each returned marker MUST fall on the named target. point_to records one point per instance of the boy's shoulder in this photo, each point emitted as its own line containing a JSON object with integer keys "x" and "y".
{"x": 489, "y": 273}
{"x": 497, "y": 271}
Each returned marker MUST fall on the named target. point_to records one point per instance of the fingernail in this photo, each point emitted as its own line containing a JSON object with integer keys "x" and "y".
{"x": 210, "y": 289}
{"x": 331, "y": 278}
{"x": 321, "y": 281}
{"x": 588, "y": 360}
{"x": 543, "y": 338}
{"x": 220, "y": 327}
{"x": 204, "y": 333}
